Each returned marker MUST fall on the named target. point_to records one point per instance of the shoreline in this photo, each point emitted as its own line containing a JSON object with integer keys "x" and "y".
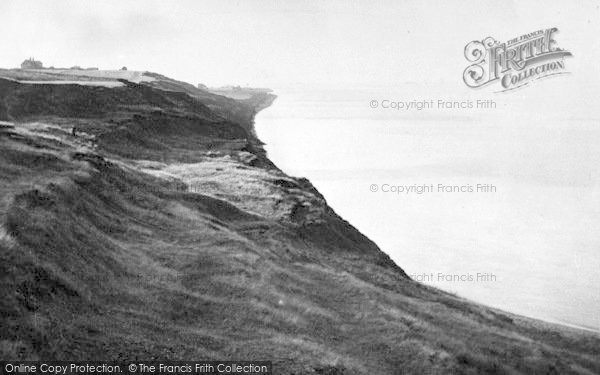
{"x": 508, "y": 312}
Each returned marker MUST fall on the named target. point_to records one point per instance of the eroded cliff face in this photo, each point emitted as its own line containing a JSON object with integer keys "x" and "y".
{"x": 162, "y": 230}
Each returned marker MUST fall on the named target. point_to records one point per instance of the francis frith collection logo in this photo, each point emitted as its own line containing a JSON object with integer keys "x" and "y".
{"x": 514, "y": 63}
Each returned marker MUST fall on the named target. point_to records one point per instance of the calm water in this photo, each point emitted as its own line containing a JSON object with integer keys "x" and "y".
{"x": 533, "y": 241}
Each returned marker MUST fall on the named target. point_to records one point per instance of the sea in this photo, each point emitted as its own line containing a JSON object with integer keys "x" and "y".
{"x": 494, "y": 196}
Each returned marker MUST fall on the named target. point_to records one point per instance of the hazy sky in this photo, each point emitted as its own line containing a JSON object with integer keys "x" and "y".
{"x": 271, "y": 43}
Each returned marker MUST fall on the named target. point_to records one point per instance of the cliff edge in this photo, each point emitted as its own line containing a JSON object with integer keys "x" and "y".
{"x": 141, "y": 219}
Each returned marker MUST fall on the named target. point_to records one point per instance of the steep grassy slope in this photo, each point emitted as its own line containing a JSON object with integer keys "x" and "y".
{"x": 162, "y": 231}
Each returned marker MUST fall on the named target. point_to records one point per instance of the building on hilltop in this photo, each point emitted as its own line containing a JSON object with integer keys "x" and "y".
{"x": 32, "y": 63}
